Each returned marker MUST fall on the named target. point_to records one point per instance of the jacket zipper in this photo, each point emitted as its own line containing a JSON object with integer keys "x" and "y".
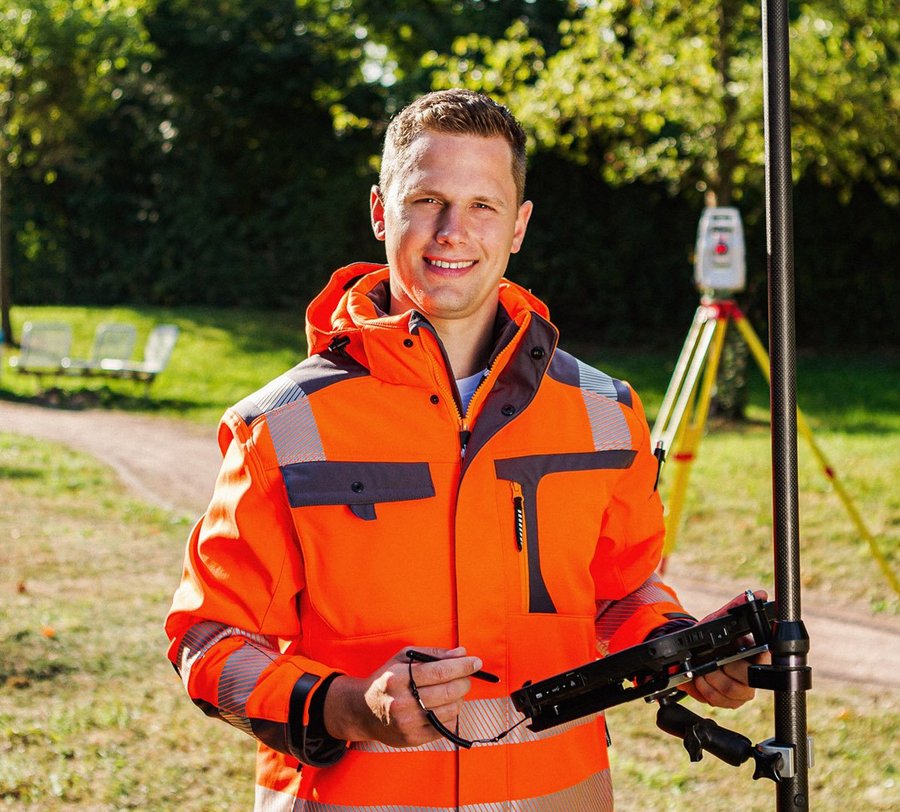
{"x": 465, "y": 432}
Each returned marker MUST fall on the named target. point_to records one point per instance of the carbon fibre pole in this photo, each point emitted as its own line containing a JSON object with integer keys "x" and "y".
{"x": 788, "y": 676}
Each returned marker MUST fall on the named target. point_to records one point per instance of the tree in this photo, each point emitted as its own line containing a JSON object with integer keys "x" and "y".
{"x": 60, "y": 66}
{"x": 663, "y": 91}
{"x": 667, "y": 91}
{"x": 253, "y": 196}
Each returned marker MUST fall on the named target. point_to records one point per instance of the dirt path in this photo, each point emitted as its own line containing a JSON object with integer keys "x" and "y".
{"x": 173, "y": 464}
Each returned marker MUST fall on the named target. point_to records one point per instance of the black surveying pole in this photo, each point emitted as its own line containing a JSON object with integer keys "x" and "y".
{"x": 788, "y": 676}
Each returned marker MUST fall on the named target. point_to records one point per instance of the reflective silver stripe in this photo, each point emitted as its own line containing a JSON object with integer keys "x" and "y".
{"x": 294, "y": 432}
{"x": 612, "y": 614}
{"x": 593, "y": 380}
{"x": 270, "y": 800}
{"x": 277, "y": 393}
{"x": 592, "y": 795}
{"x": 481, "y": 719}
{"x": 436, "y": 746}
{"x": 609, "y": 428}
{"x": 485, "y": 718}
{"x": 201, "y": 637}
{"x": 238, "y": 679}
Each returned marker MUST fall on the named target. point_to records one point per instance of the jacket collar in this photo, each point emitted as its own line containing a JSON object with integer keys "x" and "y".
{"x": 350, "y": 316}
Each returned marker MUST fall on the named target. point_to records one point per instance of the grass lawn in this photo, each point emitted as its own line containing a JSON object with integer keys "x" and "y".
{"x": 221, "y": 356}
{"x": 92, "y": 717}
{"x": 852, "y": 403}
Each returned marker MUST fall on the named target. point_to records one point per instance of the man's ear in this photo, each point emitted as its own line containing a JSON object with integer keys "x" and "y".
{"x": 522, "y": 218}
{"x": 376, "y": 207}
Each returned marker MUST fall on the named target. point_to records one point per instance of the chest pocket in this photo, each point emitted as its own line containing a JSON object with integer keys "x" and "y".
{"x": 358, "y": 485}
{"x": 524, "y": 475}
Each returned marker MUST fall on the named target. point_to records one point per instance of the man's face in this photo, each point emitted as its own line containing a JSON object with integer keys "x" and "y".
{"x": 449, "y": 222}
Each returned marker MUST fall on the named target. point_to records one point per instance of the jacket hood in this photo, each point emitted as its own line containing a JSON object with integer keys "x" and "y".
{"x": 354, "y": 305}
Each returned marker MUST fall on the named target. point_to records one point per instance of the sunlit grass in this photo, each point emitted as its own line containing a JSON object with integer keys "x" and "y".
{"x": 854, "y": 732}
{"x": 93, "y": 717}
{"x": 221, "y": 356}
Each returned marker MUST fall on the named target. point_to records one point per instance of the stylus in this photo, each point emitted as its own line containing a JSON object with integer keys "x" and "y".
{"x": 421, "y": 657}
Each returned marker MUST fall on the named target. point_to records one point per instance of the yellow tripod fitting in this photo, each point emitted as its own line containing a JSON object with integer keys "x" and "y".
{"x": 685, "y": 408}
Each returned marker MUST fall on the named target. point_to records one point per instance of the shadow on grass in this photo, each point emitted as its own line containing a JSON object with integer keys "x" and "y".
{"x": 6, "y": 472}
{"x": 79, "y": 399}
{"x": 26, "y": 657}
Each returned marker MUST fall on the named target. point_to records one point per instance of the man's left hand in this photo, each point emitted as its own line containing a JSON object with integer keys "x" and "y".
{"x": 727, "y": 687}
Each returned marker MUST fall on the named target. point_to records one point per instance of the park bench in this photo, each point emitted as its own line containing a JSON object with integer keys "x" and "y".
{"x": 45, "y": 352}
{"x": 44, "y": 346}
{"x": 157, "y": 352}
{"x": 112, "y": 342}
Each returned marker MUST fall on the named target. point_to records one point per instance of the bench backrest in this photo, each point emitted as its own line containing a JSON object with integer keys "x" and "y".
{"x": 44, "y": 343}
{"x": 113, "y": 340}
{"x": 159, "y": 346}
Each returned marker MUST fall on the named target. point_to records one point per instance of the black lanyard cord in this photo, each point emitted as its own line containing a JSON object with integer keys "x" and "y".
{"x": 441, "y": 728}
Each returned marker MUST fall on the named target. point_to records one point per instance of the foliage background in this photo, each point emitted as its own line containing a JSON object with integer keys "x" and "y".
{"x": 171, "y": 152}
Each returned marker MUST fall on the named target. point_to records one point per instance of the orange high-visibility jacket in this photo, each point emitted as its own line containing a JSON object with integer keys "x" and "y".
{"x": 358, "y": 512}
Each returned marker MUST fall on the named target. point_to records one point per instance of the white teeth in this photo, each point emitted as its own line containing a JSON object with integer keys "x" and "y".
{"x": 450, "y": 266}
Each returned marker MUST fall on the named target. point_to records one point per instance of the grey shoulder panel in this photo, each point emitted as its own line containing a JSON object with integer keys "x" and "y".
{"x": 309, "y": 376}
{"x": 601, "y": 394}
{"x": 568, "y": 369}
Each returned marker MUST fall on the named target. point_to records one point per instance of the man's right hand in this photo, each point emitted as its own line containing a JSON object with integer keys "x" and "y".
{"x": 381, "y": 707}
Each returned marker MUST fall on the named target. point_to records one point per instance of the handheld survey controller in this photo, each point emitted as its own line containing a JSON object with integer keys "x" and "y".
{"x": 650, "y": 670}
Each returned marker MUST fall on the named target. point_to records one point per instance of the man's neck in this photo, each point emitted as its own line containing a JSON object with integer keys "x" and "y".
{"x": 467, "y": 345}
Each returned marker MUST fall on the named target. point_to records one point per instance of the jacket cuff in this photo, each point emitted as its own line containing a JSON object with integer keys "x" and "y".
{"x": 309, "y": 741}
{"x": 684, "y": 621}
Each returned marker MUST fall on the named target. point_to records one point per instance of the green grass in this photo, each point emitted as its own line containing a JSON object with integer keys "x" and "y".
{"x": 854, "y": 734}
{"x": 221, "y": 356}
{"x": 92, "y": 717}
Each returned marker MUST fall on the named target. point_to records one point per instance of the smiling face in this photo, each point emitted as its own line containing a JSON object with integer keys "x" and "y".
{"x": 450, "y": 220}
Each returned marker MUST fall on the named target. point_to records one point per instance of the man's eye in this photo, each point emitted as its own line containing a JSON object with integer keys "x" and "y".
{"x": 484, "y": 206}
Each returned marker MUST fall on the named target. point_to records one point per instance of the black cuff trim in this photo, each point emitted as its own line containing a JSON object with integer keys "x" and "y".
{"x": 680, "y": 622}
{"x": 311, "y": 744}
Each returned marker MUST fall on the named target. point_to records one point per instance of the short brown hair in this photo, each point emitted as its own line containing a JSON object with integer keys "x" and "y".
{"x": 459, "y": 112}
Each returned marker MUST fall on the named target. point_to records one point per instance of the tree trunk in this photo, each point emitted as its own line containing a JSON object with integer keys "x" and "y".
{"x": 730, "y": 399}
{"x": 5, "y": 265}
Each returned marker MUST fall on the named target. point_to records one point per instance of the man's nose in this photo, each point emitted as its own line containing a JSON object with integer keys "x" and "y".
{"x": 451, "y": 226}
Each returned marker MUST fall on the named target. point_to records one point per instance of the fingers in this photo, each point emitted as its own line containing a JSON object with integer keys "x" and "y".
{"x": 726, "y": 687}
{"x": 443, "y": 693}
{"x": 448, "y": 714}
{"x": 446, "y": 670}
{"x": 719, "y": 693}
{"x": 759, "y": 594}
{"x": 395, "y": 717}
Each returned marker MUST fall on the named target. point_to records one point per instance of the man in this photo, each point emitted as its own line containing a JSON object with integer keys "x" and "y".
{"x": 437, "y": 475}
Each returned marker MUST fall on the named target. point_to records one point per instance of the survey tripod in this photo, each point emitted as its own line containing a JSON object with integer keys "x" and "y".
{"x": 681, "y": 422}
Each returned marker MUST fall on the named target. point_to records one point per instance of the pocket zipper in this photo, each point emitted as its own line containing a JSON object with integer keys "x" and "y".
{"x": 519, "y": 517}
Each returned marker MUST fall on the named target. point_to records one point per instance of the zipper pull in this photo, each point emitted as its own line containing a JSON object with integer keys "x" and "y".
{"x": 519, "y": 508}
{"x": 464, "y": 435}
